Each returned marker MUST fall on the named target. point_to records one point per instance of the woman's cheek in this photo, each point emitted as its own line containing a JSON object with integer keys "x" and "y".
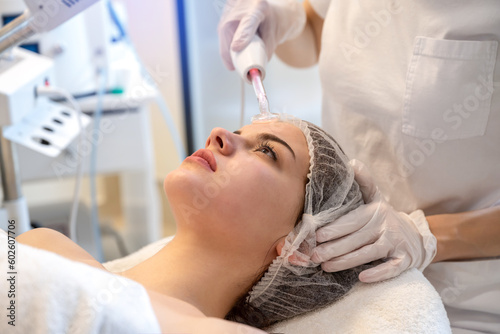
{"x": 255, "y": 193}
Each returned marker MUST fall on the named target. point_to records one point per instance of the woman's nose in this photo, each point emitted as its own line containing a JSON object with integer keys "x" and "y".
{"x": 221, "y": 140}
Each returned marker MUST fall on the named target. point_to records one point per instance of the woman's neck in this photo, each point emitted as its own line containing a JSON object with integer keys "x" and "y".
{"x": 210, "y": 279}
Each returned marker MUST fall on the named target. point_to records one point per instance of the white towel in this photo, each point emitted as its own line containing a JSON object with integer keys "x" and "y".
{"x": 131, "y": 260}
{"x": 56, "y": 295}
{"x": 405, "y": 304}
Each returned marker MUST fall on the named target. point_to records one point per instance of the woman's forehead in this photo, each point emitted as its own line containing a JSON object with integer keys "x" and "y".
{"x": 284, "y": 130}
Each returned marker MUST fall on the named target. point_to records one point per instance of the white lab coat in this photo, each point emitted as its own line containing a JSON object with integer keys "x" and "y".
{"x": 411, "y": 89}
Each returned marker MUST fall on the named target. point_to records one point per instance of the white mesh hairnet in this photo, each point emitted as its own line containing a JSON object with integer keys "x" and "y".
{"x": 293, "y": 284}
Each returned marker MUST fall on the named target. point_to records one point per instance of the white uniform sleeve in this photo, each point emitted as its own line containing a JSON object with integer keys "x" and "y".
{"x": 320, "y": 7}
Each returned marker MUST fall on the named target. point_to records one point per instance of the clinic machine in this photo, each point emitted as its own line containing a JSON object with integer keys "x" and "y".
{"x": 47, "y": 131}
{"x": 17, "y": 98}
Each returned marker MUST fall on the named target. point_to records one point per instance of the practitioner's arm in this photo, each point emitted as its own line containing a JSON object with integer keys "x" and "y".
{"x": 303, "y": 51}
{"x": 466, "y": 235}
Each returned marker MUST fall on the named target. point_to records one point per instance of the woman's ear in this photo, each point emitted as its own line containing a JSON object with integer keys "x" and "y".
{"x": 279, "y": 245}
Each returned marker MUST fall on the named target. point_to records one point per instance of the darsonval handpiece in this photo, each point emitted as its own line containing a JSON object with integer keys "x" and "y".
{"x": 250, "y": 63}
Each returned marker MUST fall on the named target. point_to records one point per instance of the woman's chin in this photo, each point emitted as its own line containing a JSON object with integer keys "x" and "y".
{"x": 181, "y": 178}
{"x": 177, "y": 181}
{"x": 183, "y": 188}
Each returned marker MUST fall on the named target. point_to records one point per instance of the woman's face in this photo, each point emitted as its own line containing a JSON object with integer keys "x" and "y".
{"x": 244, "y": 190}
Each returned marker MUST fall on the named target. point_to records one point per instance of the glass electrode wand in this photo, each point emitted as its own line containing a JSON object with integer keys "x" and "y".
{"x": 265, "y": 114}
{"x": 250, "y": 63}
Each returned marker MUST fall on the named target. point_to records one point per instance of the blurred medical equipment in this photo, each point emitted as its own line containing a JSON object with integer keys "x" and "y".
{"x": 94, "y": 60}
{"x": 78, "y": 46}
{"x": 37, "y": 18}
{"x": 19, "y": 76}
{"x": 48, "y": 91}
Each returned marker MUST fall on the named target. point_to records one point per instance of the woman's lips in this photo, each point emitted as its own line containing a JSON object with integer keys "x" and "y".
{"x": 205, "y": 156}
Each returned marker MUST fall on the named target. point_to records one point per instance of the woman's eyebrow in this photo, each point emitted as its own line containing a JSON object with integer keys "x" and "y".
{"x": 271, "y": 137}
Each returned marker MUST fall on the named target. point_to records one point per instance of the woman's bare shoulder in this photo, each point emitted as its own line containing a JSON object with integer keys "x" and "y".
{"x": 56, "y": 242}
{"x": 175, "y": 315}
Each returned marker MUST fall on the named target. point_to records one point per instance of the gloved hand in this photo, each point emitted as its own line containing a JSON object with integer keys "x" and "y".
{"x": 375, "y": 231}
{"x": 274, "y": 20}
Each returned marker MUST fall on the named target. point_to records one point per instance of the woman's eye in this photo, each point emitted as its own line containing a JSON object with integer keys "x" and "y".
{"x": 267, "y": 150}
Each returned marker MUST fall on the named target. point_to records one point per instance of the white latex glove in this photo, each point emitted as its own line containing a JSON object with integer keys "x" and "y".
{"x": 275, "y": 21}
{"x": 375, "y": 231}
